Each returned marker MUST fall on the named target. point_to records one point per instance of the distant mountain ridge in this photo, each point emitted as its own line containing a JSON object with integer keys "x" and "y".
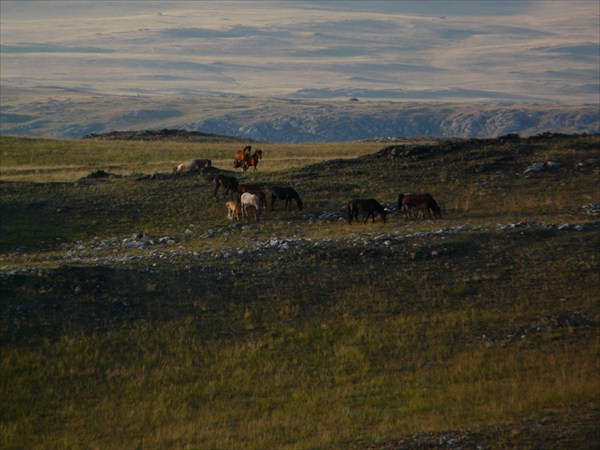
{"x": 52, "y": 112}
{"x": 422, "y": 120}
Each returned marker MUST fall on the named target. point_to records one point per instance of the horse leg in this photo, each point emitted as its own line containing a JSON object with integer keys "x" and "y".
{"x": 412, "y": 214}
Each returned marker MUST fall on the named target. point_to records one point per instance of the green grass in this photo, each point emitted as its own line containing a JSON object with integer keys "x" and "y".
{"x": 341, "y": 345}
{"x": 27, "y": 159}
{"x": 215, "y": 394}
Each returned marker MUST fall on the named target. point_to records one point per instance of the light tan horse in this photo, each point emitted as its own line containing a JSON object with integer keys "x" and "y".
{"x": 250, "y": 202}
{"x": 234, "y": 209}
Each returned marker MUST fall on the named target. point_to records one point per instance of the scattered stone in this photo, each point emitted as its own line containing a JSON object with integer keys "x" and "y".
{"x": 535, "y": 168}
{"x": 393, "y": 244}
{"x": 553, "y": 165}
{"x": 539, "y": 166}
{"x": 591, "y": 208}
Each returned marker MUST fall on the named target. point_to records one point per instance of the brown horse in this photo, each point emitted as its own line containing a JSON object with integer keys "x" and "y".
{"x": 240, "y": 157}
{"x": 228, "y": 183}
{"x": 262, "y": 198}
{"x": 287, "y": 194}
{"x": 409, "y": 203}
{"x": 370, "y": 206}
{"x": 252, "y": 160}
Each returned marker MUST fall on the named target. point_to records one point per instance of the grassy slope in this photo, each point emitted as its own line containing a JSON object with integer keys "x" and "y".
{"x": 341, "y": 345}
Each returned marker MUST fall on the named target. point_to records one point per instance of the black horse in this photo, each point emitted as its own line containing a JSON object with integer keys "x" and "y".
{"x": 230, "y": 184}
{"x": 370, "y": 206}
{"x": 285, "y": 193}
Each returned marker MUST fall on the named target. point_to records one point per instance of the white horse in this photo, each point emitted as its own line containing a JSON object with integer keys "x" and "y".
{"x": 250, "y": 201}
{"x": 192, "y": 166}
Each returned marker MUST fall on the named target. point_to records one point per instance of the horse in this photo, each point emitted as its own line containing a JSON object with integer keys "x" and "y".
{"x": 370, "y": 206}
{"x": 285, "y": 193}
{"x": 233, "y": 210}
{"x": 202, "y": 163}
{"x": 262, "y": 198}
{"x": 250, "y": 201}
{"x": 240, "y": 157}
{"x": 408, "y": 203}
{"x": 228, "y": 183}
{"x": 252, "y": 160}
{"x": 192, "y": 166}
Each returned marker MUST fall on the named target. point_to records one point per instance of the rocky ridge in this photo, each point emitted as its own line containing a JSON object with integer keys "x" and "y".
{"x": 144, "y": 249}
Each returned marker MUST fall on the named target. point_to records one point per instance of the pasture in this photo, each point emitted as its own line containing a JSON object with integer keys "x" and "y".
{"x": 135, "y": 314}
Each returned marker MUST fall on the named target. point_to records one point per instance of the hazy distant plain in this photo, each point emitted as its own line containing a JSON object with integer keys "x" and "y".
{"x": 453, "y": 51}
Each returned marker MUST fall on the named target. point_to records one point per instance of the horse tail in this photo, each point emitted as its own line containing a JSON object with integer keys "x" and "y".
{"x": 432, "y": 205}
{"x": 400, "y": 199}
{"x": 436, "y": 209}
{"x": 262, "y": 200}
{"x": 383, "y": 213}
{"x": 215, "y": 180}
{"x": 350, "y": 212}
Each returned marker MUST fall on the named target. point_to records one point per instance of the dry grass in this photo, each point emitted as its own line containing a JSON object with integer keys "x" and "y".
{"x": 50, "y": 160}
{"x": 343, "y": 345}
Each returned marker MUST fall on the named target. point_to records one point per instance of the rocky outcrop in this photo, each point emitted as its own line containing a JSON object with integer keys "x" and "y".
{"x": 398, "y": 121}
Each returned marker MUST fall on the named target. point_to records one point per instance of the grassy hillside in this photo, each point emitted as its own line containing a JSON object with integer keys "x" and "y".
{"x": 134, "y": 314}
{"x": 38, "y": 160}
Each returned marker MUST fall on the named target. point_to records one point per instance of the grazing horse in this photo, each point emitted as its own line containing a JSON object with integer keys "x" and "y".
{"x": 370, "y": 206}
{"x": 192, "y": 166}
{"x": 262, "y": 198}
{"x": 252, "y": 160}
{"x": 287, "y": 194}
{"x": 250, "y": 201}
{"x": 228, "y": 183}
{"x": 233, "y": 210}
{"x": 240, "y": 157}
{"x": 408, "y": 203}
